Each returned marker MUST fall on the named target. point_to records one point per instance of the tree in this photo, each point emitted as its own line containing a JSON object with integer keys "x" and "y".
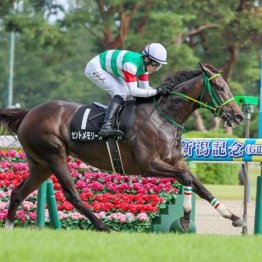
{"x": 235, "y": 35}
{"x": 52, "y": 53}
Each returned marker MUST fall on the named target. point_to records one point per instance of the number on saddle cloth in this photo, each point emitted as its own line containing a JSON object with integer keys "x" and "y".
{"x": 88, "y": 119}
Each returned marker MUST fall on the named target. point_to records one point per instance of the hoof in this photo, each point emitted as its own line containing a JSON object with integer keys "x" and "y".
{"x": 104, "y": 228}
{"x": 238, "y": 223}
{"x": 183, "y": 226}
{"x": 9, "y": 225}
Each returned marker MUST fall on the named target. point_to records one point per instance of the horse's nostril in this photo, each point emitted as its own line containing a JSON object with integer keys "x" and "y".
{"x": 239, "y": 118}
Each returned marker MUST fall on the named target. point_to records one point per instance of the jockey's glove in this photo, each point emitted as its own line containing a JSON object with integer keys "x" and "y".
{"x": 163, "y": 90}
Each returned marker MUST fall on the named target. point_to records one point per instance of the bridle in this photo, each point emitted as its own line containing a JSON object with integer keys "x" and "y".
{"x": 216, "y": 103}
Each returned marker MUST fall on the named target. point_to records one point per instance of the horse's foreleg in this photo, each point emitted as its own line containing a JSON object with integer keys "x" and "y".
{"x": 181, "y": 173}
{"x": 38, "y": 174}
{"x": 201, "y": 191}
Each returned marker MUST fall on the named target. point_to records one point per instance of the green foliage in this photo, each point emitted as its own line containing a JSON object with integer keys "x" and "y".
{"x": 209, "y": 134}
{"x": 6, "y": 7}
{"x": 217, "y": 173}
{"x": 50, "y": 54}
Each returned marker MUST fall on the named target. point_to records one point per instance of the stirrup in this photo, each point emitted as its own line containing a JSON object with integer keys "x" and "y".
{"x": 119, "y": 133}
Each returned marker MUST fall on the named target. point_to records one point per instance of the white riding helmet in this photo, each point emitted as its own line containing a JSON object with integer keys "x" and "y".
{"x": 156, "y": 52}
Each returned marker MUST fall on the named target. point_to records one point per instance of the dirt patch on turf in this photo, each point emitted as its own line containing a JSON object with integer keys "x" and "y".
{"x": 209, "y": 221}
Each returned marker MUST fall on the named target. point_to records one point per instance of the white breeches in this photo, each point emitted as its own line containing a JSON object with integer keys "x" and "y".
{"x": 111, "y": 84}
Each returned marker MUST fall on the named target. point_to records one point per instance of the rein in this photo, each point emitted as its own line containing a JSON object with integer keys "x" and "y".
{"x": 216, "y": 106}
{"x": 167, "y": 117}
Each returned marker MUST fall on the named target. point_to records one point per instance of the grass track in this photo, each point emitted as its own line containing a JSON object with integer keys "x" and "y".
{"x": 230, "y": 192}
{"x": 49, "y": 245}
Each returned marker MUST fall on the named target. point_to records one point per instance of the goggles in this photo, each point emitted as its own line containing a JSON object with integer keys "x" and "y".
{"x": 156, "y": 64}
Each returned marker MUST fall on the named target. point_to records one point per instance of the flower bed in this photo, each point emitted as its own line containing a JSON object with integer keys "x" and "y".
{"x": 122, "y": 202}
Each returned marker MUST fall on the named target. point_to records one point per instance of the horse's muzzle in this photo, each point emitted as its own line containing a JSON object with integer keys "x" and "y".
{"x": 232, "y": 119}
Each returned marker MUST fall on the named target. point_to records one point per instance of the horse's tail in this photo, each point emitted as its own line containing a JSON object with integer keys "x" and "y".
{"x": 11, "y": 118}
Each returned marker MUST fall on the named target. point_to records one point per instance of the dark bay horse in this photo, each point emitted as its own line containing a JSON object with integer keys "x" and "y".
{"x": 152, "y": 147}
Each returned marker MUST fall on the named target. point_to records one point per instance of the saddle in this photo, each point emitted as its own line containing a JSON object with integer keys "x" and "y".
{"x": 88, "y": 119}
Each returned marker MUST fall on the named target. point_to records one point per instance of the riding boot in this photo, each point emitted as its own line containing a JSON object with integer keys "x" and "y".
{"x": 109, "y": 125}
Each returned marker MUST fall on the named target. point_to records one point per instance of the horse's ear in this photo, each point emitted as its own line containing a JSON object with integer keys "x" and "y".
{"x": 202, "y": 67}
{"x": 221, "y": 69}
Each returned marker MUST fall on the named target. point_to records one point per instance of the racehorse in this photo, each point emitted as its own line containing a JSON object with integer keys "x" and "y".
{"x": 152, "y": 146}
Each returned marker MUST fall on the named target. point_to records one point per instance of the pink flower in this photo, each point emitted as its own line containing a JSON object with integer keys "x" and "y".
{"x": 22, "y": 155}
{"x": 72, "y": 165}
{"x": 11, "y": 153}
{"x": 101, "y": 214}
{"x": 122, "y": 218}
{"x": 5, "y": 164}
{"x": 113, "y": 216}
{"x": 3, "y": 214}
{"x": 63, "y": 215}
{"x": 4, "y": 194}
{"x": 3, "y": 205}
{"x": 32, "y": 215}
{"x": 28, "y": 205}
{"x": 20, "y": 166}
{"x": 21, "y": 215}
{"x": 142, "y": 216}
{"x": 81, "y": 184}
{"x": 76, "y": 216}
{"x": 83, "y": 166}
{"x": 96, "y": 186}
{"x": 130, "y": 216}
{"x": 110, "y": 196}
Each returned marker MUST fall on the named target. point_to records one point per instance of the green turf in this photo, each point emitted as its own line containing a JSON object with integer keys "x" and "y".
{"x": 230, "y": 192}
{"x": 49, "y": 245}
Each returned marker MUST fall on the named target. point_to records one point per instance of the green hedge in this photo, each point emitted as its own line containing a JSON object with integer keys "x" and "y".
{"x": 214, "y": 173}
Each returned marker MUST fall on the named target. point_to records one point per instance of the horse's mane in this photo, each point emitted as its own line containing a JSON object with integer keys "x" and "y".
{"x": 184, "y": 75}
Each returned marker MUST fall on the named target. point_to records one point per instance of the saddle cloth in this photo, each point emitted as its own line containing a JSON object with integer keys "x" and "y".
{"x": 88, "y": 120}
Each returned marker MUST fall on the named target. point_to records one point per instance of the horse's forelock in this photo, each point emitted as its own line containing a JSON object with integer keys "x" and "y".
{"x": 212, "y": 68}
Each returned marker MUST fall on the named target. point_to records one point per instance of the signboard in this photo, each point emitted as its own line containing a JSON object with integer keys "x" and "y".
{"x": 222, "y": 149}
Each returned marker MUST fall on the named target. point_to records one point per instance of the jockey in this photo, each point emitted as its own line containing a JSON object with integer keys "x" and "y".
{"x": 123, "y": 74}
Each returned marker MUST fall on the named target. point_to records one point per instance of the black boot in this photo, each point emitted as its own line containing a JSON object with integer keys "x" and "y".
{"x": 108, "y": 128}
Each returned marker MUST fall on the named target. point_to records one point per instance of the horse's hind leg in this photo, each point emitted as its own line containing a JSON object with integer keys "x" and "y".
{"x": 60, "y": 169}
{"x": 38, "y": 174}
